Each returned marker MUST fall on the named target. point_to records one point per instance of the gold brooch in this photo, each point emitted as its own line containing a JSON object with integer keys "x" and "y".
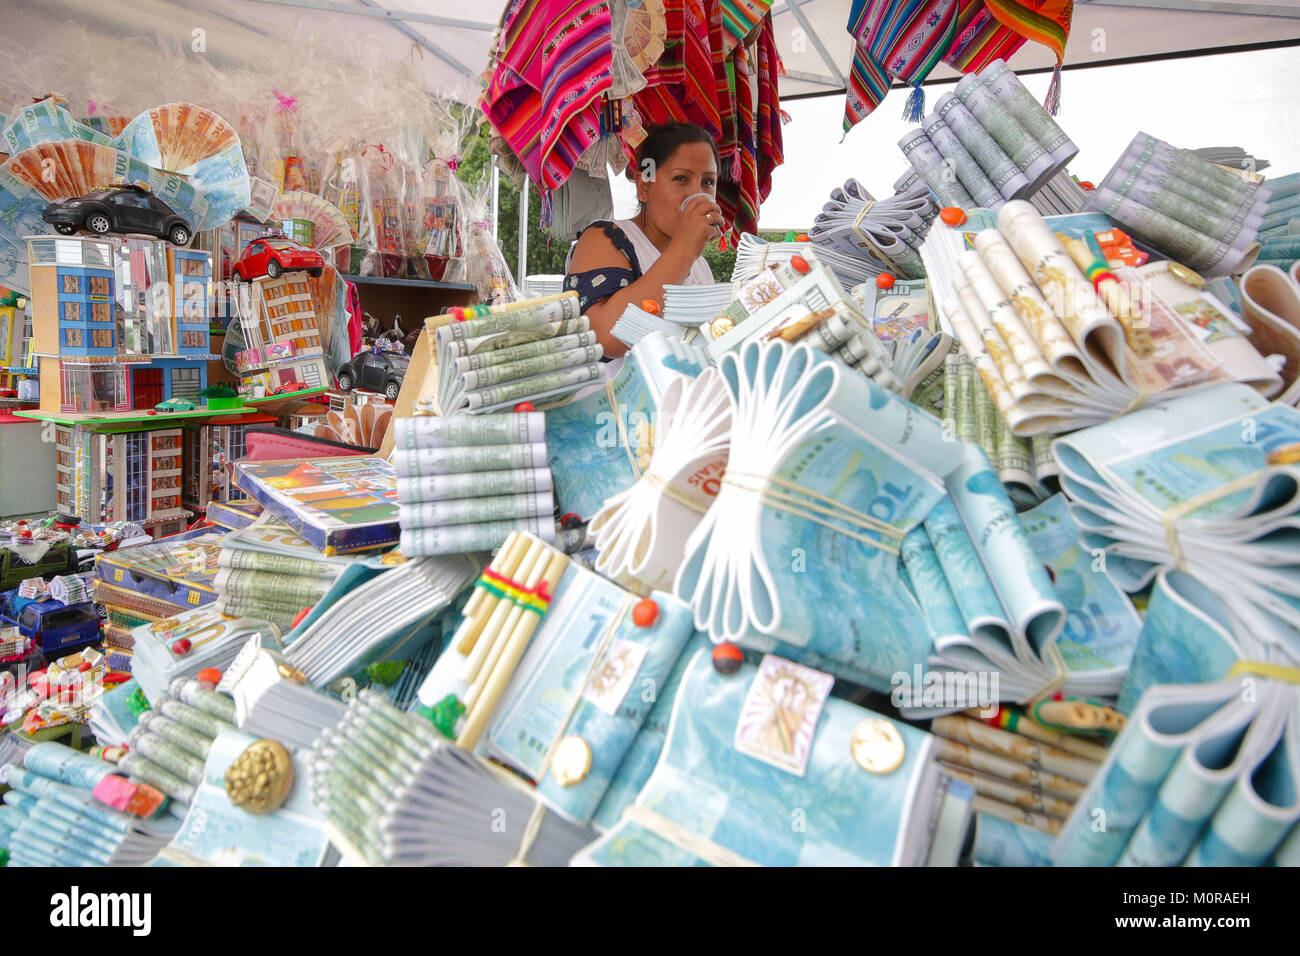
{"x": 877, "y": 746}
{"x": 261, "y": 777}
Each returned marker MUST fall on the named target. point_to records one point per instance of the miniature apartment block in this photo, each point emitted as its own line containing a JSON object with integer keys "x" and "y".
{"x": 15, "y": 345}
{"x": 209, "y": 450}
{"x": 283, "y": 338}
{"x": 118, "y": 324}
{"x": 135, "y": 476}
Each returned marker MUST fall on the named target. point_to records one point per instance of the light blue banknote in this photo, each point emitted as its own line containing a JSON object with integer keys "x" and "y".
{"x": 746, "y": 808}
{"x": 1001, "y": 842}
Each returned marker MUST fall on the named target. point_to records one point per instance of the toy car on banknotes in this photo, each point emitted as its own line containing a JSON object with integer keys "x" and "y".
{"x": 127, "y": 209}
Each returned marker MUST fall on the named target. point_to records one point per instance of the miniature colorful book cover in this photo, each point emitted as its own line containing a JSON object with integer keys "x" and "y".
{"x": 233, "y": 515}
{"x": 337, "y": 504}
{"x": 178, "y": 569}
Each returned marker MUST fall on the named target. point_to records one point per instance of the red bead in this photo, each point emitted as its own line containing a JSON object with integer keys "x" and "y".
{"x": 297, "y": 618}
{"x": 651, "y": 306}
{"x": 952, "y": 215}
{"x": 800, "y": 264}
{"x": 83, "y": 666}
{"x": 884, "y": 281}
{"x": 645, "y": 613}
{"x": 153, "y": 411}
{"x": 571, "y": 520}
{"x": 26, "y": 533}
{"x": 182, "y": 646}
{"x": 209, "y": 675}
{"x": 525, "y": 407}
{"x": 802, "y": 237}
{"x": 727, "y": 658}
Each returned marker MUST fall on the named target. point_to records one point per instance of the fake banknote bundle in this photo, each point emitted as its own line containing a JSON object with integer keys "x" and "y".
{"x": 270, "y": 701}
{"x": 494, "y": 357}
{"x": 65, "y": 808}
{"x": 1201, "y": 483}
{"x": 167, "y": 751}
{"x": 1270, "y": 308}
{"x": 1025, "y": 466}
{"x": 1203, "y": 775}
{"x": 465, "y": 482}
{"x": 886, "y": 234}
{"x": 192, "y": 641}
{"x": 987, "y": 142}
{"x": 905, "y": 321}
{"x": 267, "y": 571}
{"x": 798, "y": 554}
{"x": 640, "y": 534}
{"x": 593, "y": 439}
{"x": 1020, "y": 771}
{"x": 1055, "y": 352}
{"x": 394, "y": 791}
{"x": 753, "y": 255}
{"x": 216, "y": 832}
{"x": 545, "y": 673}
{"x": 808, "y": 306}
{"x": 345, "y": 632}
{"x": 1193, "y": 211}
{"x": 689, "y": 306}
{"x": 742, "y": 749}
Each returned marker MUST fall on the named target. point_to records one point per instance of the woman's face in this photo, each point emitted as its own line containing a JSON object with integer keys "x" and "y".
{"x": 690, "y": 170}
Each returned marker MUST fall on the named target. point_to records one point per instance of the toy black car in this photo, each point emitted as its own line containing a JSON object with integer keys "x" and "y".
{"x": 127, "y": 209}
{"x": 374, "y": 372}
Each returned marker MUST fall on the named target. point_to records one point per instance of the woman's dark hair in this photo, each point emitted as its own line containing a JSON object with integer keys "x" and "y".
{"x": 664, "y": 140}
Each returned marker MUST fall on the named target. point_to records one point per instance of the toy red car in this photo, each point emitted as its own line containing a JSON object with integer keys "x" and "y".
{"x": 288, "y": 387}
{"x": 273, "y": 256}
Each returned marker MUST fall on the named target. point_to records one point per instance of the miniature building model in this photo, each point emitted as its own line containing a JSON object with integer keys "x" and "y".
{"x": 283, "y": 338}
{"x": 135, "y": 476}
{"x": 209, "y": 450}
{"x": 119, "y": 323}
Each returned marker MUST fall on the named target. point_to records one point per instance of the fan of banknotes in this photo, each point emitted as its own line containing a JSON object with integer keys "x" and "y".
{"x": 1203, "y": 775}
{"x": 640, "y": 534}
{"x": 1054, "y": 352}
{"x": 360, "y": 425}
{"x": 987, "y": 142}
{"x": 1190, "y": 484}
{"x": 887, "y": 234}
{"x": 177, "y": 135}
{"x": 329, "y": 227}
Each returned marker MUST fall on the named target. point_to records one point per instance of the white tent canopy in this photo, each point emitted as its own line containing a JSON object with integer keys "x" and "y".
{"x": 447, "y": 42}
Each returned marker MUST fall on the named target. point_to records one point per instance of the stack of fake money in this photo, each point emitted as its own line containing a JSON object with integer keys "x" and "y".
{"x": 464, "y": 483}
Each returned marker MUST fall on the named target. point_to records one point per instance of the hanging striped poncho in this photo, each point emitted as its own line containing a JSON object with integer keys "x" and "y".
{"x": 895, "y": 40}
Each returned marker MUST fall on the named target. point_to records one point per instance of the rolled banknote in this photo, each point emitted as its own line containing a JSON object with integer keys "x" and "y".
{"x": 436, "y": 431}
{"x": 66, "y": 765}
{"x": 198, "y": 720}
{"x": 167, "y": 755}
{"x": 938, "y": 174}
{"x": 458, "y": 539}
{"x": 1000, "y": 842}
{"x": 1191, "y": 206}
{"x": 1015, "y": 747}
{"x": 276, "y": 588}
{"x": 525, "y": 368}
{"x": 424, "y": 462}
{"x": 511, "y": 337}
{"x": 973, "y": 758}
{"x": 190, "y": 691}
{"x": 1025, "y": 151}
{"x": 968, "y": 170}
{"x": 1009, "y": 371}
{"x": 239, "y": 559}
{"x": 1049, "y": 335}
{"x": 1146, "y": 150}
{"x": 1013, "y": 793}
{"x": 1000, "y": 168}
{"x": 469, "y": 363}
{"x": 1011, "y": 93}
{"x": 431, "y": 514}
{"x": 1005, "y": 317}
{"x": 526, "y": 316}
{"x": 1178, "y": 241}
{"x": 532, "y": 388}
{"x": 473, "y": 484}
{"x": 188, "y": 739}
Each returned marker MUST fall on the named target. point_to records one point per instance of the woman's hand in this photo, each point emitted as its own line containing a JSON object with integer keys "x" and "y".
{"x": 699, "y": 223}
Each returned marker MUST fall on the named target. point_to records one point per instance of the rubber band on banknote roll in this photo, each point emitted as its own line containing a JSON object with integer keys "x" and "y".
{"x": 669, "y": 490}
{"x": 1266, "y": 669}
{"x": 1060, "y": 674}
{"x": 871, "y": 246}
{"x": 536, "y": 599}
{"x": 531, "y": 829}
{"x": 1171, "y": 516}
{"x": 809, "y": 511}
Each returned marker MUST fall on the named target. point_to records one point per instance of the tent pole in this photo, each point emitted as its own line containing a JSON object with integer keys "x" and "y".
{"x": 523, "y": 232}
{"x": 496, "y": 199}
